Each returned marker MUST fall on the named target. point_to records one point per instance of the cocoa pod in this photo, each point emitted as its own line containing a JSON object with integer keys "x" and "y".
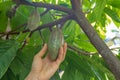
{"x": 56, "y": 40}
{"x": 33, "y": 20}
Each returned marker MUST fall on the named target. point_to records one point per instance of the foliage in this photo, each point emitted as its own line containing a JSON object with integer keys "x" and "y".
{"x": 16, "y": 59}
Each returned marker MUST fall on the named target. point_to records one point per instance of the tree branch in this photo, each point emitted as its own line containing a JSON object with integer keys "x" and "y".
{"x": 51, "y": 24}
{"x": 46, "y": 5}
{"x": 76, "y": 5}
{"x": 47, "y": 10}
{"x": 79, "y": 51}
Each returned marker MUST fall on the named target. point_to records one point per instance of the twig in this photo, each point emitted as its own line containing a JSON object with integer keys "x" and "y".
{"x": 26, "y": 40}
{"x": 47, "y": 10}
{"x": 79, "y": 51}
{"x": 41, "y": 37}
{"x": 10, "y": 32}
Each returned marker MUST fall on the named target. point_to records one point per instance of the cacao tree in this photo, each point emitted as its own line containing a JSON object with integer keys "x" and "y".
{"x": 83, "y": 23}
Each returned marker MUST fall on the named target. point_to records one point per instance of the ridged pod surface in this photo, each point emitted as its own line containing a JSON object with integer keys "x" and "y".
{"x": 33, "y": 20}
{"x": 56, "y": 40}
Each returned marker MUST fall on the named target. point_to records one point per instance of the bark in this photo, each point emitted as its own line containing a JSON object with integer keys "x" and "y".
{"x": 108, "y": 56}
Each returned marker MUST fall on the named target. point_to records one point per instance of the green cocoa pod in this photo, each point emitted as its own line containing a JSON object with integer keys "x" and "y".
{"x": 56, "y": 40}
{"x": 33, "y": 20}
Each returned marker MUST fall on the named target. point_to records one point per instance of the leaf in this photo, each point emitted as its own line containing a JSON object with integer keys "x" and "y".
{"x": 114, "y": 3}
{"x": 76, "y": 63}
{"x": 8, "y": 51}
{"x": 113, "y": 14}
{"x": 35, "y": 39}
{"x": 86, "y": 68}
{"x": 45, "y": 34}
{"x": 83, "y": 42}
{"x": 86, "y": 5}
{"x": 69, "y": 31}
{"x": 9, "y": 75}
{"x": 21, "y": 65}
{"x": 55, "y": 76}
{"x": 4, "y": 7}
{"x": 47, "y": 18}
{"x": 98, "y": 10}
{"x": 21, "y": 16}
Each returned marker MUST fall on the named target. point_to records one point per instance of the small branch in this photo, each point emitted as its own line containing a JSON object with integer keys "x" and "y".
{"x": 8, "y": 33}
{"x": 47, "y": 10}
{"x": 26, "y": 40}
{"x": 17, "y": 28}
{"x": 41, "y": 37}
{"x": 113, "y": 48}
{"x": 79, "y": 51}
{"x": 12, "y": 11}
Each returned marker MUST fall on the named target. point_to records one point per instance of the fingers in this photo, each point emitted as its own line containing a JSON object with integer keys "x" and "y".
{"x": 42, "y": 51}
{"x": 62, "y": 53}
{"x": 64, "y": 50}
{"x": 60, "y": 56}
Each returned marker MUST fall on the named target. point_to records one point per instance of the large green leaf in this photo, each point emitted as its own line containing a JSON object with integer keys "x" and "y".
{"x": 4, "y": 7}
{"x": 69, "y": 31}
{"x": 82, "y": 41}
{"x": 55, "y": 76}
{"x": 114, "y": 3}
{"x": 22, "y": 63}
{"x": 9, "y": 75}
{"x": 113, "y": 14}
{"x": 84, "y": 68}
{"x": 98, "y": 10}
{"x": 45, "y": 33}
{"x": 35, "y": 39}
{"x": 8, "y": 51}
{"x": 86, "y": 5}
{"x": 47, "y": 18}
{"x": 21, "y": 16}
{"x": 78, "y": 64}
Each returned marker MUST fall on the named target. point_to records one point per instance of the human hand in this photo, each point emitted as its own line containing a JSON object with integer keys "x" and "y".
{"x": 44, "y": 69}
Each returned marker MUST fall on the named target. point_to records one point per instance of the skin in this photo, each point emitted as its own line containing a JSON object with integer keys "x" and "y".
{"x": 44, "y": 68}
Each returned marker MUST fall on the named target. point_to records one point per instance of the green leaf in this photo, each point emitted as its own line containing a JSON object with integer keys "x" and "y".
{"x": 8, "y": 51}
{"x": 47, "y": 18}
{"x": 21, "y": 16}
{"x": 55, "y": 76}
{"x": 76, "y": 63}
{"x": 4, "y": 7}
{"x": 114, "y": 3}
{"x": 9, "y": 75}
{"x": 45, "y": 34}
{"x": 83, "y": 42}
{"x": 113, "y": 14}
{"x": 84, "y": 68}
{"x": 21, "y": 65}
{"x": 69, "y": 31}
{"x": 86, "y": 5}
{"x": 35, "y": 39}
{"x": 98, "y": 10}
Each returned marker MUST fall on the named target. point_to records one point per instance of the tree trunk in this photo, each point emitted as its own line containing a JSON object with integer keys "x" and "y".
{"x": 108, "y": 56}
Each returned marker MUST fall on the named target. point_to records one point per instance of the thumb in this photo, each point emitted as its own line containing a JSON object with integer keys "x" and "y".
{"x": 42, "y": 51}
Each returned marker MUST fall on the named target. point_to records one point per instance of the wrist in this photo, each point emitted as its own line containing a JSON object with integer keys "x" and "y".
{"x": 33, "y": 75}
